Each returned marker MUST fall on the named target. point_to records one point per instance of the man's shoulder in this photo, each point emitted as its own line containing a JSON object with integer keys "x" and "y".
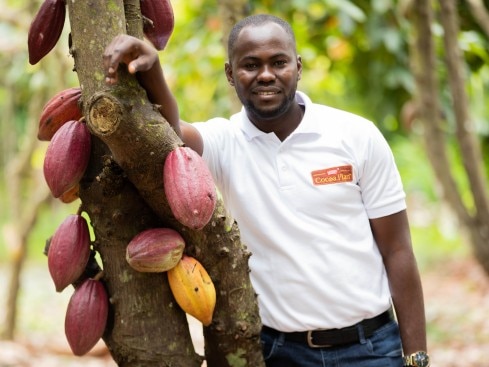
{"x": 218, "y": 127}
{"x": 319, "y": 109}
{"x": 213, "y": 122}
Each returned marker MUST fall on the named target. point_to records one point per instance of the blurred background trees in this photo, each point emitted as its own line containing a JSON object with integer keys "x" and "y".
{"x": 418, "y": 71}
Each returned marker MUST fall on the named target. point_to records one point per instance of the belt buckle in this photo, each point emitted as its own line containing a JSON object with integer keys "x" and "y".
{"x": 311, "y": 344}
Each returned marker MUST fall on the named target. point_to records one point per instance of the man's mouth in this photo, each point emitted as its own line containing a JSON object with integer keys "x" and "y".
{"x": 266, "y": 93}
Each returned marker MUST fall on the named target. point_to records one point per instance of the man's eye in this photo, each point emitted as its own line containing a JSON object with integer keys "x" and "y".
{"x": 281, "y": 63}
{"x": 251, "y": 66}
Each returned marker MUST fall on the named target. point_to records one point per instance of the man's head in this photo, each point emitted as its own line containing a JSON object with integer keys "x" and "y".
{"x": 256, "y": 20}
{"x": 264, "y": 69}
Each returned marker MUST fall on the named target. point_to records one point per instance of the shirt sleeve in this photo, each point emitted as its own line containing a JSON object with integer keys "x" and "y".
{"x": 380, "y": 181}
{"x": 213, "y": 137}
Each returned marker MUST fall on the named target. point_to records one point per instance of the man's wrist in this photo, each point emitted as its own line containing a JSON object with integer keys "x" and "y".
{"x": 417, "y": 359}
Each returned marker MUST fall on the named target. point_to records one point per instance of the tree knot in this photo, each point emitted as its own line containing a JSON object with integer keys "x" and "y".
{"x": 105, "y": 113}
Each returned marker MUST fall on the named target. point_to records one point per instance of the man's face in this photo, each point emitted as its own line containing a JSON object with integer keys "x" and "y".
{"x": 264, "y": 71}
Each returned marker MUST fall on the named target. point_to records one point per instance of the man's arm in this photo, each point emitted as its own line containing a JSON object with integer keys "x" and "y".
{"x": 142, "y": 59}
{"x": 393, "y": 237}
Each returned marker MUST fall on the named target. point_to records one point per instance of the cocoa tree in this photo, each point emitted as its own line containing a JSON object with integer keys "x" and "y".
{"x": 424, "y": 61}
{"x": 122, "y": 194}
{"x": 25, "y": 197}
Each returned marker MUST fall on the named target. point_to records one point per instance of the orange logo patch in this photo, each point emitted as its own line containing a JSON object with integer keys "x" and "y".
{"x": 332, "y": 175}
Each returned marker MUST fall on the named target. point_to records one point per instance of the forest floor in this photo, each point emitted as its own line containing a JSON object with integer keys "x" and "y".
{"x": 457, "y": 307}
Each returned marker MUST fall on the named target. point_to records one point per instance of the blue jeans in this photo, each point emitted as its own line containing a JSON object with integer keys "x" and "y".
{"x": 382, "y": 349}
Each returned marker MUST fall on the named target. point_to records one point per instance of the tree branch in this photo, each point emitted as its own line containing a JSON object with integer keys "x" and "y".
{"x": 480, "y": 14}
{"x": 424, "y": 69}
{"x": 469, "y": 146}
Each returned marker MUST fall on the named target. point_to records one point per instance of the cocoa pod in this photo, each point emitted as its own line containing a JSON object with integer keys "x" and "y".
{"x": 86, "y": 316}
{"x": 45, "y": 29}
{"x": 155, "y": 250}
{"x": 69, "y": 251}
{"x": 61, "y": 108}
{"x": 193, "y": 289}
{"x": 67, "y": 157}
{"x": 159, "y": 23}
{"x": 189, "y": 187}
{"x": 71, "y": 195}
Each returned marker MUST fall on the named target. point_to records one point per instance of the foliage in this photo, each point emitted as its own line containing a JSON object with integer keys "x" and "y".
{"x": 355, "y": 56}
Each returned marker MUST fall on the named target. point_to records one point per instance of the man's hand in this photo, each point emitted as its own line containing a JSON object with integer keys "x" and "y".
{"x": 142, "y": 58}
{"x": 135, "y": 53}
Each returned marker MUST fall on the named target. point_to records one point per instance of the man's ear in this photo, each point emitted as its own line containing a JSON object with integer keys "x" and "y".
{"x": 229, "y": 73}
{"x": 299, "y": 67}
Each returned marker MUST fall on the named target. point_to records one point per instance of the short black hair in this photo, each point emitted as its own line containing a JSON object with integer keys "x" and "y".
{"x": 257, "y": 20}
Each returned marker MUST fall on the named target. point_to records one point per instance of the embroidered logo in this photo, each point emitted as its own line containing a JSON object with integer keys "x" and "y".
{"x": 332, "y": 175}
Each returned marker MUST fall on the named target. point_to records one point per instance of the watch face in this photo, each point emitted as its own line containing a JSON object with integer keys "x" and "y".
{"x": 421, "y": 359}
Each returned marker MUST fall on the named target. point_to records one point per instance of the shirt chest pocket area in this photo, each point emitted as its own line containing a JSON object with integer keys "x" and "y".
{"x": 325, "y": 190}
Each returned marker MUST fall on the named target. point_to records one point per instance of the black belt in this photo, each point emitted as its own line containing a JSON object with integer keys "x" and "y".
{"x": 335, "y": 337}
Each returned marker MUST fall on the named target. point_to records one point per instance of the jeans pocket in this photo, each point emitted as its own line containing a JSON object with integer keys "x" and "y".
{"x": 386, "y": 341}
{"x": 269, "y": 344}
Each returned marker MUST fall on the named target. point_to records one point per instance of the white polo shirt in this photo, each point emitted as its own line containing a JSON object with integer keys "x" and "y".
{"x": 303, "y": 207}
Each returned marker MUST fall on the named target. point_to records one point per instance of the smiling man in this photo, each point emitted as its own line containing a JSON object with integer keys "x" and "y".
{"x": 319, "y": 203}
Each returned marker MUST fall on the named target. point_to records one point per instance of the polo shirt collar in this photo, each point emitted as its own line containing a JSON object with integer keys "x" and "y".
{"x": 305, "y": 127}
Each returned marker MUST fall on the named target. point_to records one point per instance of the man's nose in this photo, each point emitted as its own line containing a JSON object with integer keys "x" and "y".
{"x": 266, "y": 74}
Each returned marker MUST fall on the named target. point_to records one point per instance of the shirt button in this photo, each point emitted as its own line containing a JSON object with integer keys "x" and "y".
{"x": 284, "y": 168}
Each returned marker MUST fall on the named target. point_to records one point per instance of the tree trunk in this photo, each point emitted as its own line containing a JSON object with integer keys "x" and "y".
{"x": 467, "y": 140}
{"x": 231, "y": 11}
{"x": 424, "y": 69}
{"x": 25, "y": 195}
{"x": 23, "y": 212}
{"x": 147, "y": 327}
{"x": 480, "y": 14}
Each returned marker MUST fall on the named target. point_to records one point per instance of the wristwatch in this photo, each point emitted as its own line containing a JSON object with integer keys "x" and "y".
{"x": 418, "y": 359}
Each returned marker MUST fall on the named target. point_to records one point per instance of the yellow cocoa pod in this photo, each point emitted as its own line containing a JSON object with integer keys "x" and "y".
{"x": 193, "y": 289}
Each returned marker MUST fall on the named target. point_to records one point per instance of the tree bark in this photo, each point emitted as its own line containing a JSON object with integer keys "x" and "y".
{"x": 139, "y": 140}
{"x": 231, "y": 12}
{"x": 23, "y": 211}
{"x": 480, "y": 14}
{"x": 424, "y": 69}
{"x": 423, "y": 63}
{"x": 146, "y": 327}
{"x": 465, "y": 132}
{"x": 25, "y": 195}
{"x": 469, "y": 145}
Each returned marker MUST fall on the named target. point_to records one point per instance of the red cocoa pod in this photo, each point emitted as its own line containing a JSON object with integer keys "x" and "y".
{"x": 159, "y": 23}
{"x": 86, "y": 316}
{"x": 67, "y": 157}
{"x": 69, "y": 251}
{"x": 71, "y": 195}
{"x": 189, "y": 187}
{"x": 155, "y": 250}
{"x": 63, "y": 107}
{"x": 45, "y": 29}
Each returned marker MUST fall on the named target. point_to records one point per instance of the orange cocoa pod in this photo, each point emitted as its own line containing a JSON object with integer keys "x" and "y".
{"x": 69, "y": 251}
{"x": 86, "y": 316}
{"x": 193, "y": 289}
{"x": 155, "y": 250}
{"x": 61, "y": 108}
{"x": 189, "y": 187}
{"x": 159, "y": 23}
{"x": 45, "y": 29}
{"x": 67, "y": 157}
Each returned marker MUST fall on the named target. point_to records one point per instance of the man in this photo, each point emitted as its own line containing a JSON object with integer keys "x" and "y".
{"x": 318, "y": 200}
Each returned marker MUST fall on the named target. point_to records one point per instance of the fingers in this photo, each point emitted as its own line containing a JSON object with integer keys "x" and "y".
{"x": 111, "y": 59}
{"x": 122, "y": 49}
